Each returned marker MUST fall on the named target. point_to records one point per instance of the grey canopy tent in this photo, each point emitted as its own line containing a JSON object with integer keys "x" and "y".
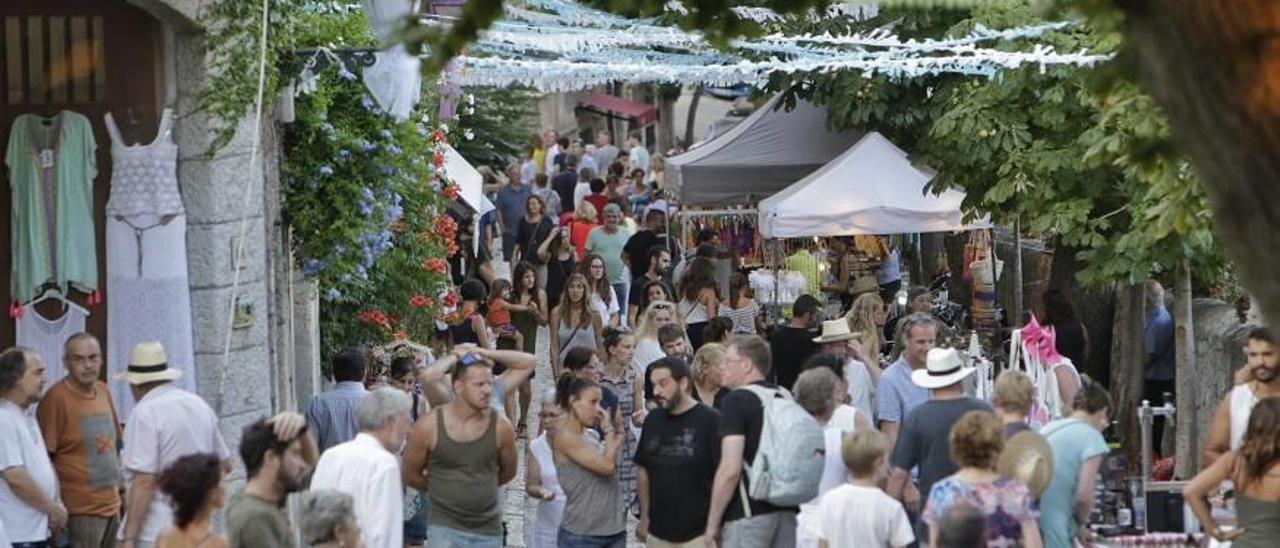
{"x": 763, "y": 154}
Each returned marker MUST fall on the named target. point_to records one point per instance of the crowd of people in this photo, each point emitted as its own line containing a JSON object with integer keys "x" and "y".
{"x": 673, "y": 405}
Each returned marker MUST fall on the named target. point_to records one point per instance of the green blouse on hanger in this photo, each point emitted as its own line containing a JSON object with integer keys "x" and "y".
{"x": 51, "y": 169}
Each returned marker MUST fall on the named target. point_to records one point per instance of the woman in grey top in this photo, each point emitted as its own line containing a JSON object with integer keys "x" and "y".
{"x": 593, "y": 512}
{"x": 573, "y": 323}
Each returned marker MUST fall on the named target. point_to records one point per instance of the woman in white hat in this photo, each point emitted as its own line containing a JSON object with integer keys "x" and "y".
{"x": 859, "y": 375}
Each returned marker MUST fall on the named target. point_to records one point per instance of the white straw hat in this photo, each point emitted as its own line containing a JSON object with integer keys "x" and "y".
{"x": 148, "y": 363}
{"x": 945, "y": 368}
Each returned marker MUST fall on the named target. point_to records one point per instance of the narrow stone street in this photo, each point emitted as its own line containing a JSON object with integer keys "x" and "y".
{"x": 518, "y": 505}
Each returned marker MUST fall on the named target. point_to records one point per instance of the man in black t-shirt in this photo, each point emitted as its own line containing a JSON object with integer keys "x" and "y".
{"x": 676, "y": 459}
{"x": 636, "y": 250}
{"x": 747, "y": 361}
{"x": 792, "y": 344}
{"x": 659, "y": 263}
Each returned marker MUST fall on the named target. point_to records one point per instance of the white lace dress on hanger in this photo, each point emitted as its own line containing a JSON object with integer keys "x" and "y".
{"x": 148, "y": 298}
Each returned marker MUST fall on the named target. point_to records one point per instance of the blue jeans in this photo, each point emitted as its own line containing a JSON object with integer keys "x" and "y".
{"x": 565, "y": 539}
{"x": 444, "y": 537}
{"x": 621, "y": 290}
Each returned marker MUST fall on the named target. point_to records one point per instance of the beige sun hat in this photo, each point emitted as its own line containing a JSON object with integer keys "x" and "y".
{"x": 835, "y": 331}
{"x": 148, "y": 363}
{"x": 1027, "y": 458}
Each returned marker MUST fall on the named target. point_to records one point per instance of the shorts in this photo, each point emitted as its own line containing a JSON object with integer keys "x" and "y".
{"x": 773, "y": 530}
{"x": 445, "y": 537}
{"x": 565, "y": 539}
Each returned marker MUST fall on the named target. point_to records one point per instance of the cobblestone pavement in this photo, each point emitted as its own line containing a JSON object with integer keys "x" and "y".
{"x": 518, "y": 506}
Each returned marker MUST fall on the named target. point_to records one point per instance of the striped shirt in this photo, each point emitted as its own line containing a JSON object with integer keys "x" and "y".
{"x": 331, "y": 416}
{"x": 744, "y": 319}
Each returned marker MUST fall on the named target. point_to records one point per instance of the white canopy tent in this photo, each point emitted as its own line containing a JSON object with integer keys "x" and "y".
{"x": 471, "y": 186}
{"x": 870, "y": 189}
{"x": 761, "y": 155}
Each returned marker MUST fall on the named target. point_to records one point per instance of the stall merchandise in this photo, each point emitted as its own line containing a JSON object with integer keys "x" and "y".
{"x": 48, "y": 336}
{"x": 51, "y": 170}
{"x": 982, "y": 270}
{"x": 150, "y": 299}
{"x": 1031, "y": 350}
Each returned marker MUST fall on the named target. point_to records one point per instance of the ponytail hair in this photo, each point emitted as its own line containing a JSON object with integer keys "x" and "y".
{"x": 612, "y": 336}
{"x": 569, "y": 386}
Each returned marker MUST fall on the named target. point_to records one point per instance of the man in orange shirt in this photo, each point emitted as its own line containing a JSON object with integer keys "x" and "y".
{"x": 82, "y": 433}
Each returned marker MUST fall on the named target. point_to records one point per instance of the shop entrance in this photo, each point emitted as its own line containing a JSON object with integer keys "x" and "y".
{"x": 90, "y": 57}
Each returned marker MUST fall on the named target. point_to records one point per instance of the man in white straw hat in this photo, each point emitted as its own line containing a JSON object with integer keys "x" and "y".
{"x": 924, "y": 438}
{"x": 166, "y": 423}
{"x": 837, "y": 340}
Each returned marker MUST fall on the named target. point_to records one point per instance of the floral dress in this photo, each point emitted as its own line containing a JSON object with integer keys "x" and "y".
{"x": 625, "y": 389}
{"x": 1005, "y": 503}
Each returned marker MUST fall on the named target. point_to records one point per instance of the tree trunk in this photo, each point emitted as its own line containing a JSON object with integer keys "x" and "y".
{"x": 1186, "y": 420}
{"x": 1096, "y": 309}
{"x": 1128, "y": 352}
{"x": 666, "y": 119}
{"x": 1215, "y": 69}
{"x": 692, "y": 119}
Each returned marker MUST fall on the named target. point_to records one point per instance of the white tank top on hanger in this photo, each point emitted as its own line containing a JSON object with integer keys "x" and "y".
{"x": 48, "y": 337}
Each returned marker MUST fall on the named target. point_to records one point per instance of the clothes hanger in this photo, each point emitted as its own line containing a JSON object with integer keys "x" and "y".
{"x": 52, "y": 292}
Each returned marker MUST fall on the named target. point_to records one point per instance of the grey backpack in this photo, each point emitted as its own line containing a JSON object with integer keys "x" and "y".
{"x": 787, "y": 467}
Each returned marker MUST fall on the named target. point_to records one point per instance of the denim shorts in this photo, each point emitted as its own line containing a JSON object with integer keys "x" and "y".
{"x": 415, "y": 528}
{"x": 444, "y": 537}
{"x": 565, "y": 539}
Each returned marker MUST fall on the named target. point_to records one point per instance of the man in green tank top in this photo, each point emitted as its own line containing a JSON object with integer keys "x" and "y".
{"x": 465, "y": 453}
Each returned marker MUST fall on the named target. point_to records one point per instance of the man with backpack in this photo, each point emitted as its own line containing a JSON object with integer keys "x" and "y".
{"x": 771, "y": 455}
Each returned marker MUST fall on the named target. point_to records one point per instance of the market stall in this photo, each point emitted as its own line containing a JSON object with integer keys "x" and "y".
{"x": 871, "y": 188}
{"x": 760, "y": 156}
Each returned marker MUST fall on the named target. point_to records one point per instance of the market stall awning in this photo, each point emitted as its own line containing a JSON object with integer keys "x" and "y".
{"x": 642, "y": 114}
{"x": 469, "y": 181}
{"x": 763, "y": 154}
{"x": 870, "y": 189}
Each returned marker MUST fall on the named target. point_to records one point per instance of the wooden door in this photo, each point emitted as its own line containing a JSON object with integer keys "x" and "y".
{"x": 90, "y": 57}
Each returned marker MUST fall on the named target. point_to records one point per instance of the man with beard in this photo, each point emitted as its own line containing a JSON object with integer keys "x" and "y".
{"x": 1263, "y": 372}
{"x": 29, "y": 504}
{"x": 278, "y": 455}
{"x": 465, "y": 453}
{"x": 676, "y": 460}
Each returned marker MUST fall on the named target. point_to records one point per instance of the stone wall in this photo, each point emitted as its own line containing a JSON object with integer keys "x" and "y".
{"x": 246, "y": 384}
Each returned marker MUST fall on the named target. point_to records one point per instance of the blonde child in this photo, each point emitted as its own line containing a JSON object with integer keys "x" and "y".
{"x": 858, "y": 513}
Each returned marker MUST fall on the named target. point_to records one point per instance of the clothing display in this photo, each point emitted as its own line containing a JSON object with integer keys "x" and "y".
{"x": 147, "y": 258}
{"x": 394, "y": 81}
{"x": 48, "y": 336}
{"x": 51, "y": 170}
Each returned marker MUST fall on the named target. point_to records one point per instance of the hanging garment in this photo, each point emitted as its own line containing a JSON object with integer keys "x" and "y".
{"x": 148, "y": 295}
{"x": 49, "y": 336}
{"x": 394, "y": 81}
{"x": 51, "y": 170}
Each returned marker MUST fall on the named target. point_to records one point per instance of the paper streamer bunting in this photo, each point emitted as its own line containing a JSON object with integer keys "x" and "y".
{"x": 557, "y": 46}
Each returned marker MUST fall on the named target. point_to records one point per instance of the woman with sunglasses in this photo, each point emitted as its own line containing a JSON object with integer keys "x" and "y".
{"x": 648, "y": 349}
{"x": 404, "y": 377}
{"x": 541, "y": 482}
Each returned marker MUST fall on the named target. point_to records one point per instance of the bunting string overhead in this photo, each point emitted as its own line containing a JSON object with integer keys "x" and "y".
{"x": 558, "y": 46}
